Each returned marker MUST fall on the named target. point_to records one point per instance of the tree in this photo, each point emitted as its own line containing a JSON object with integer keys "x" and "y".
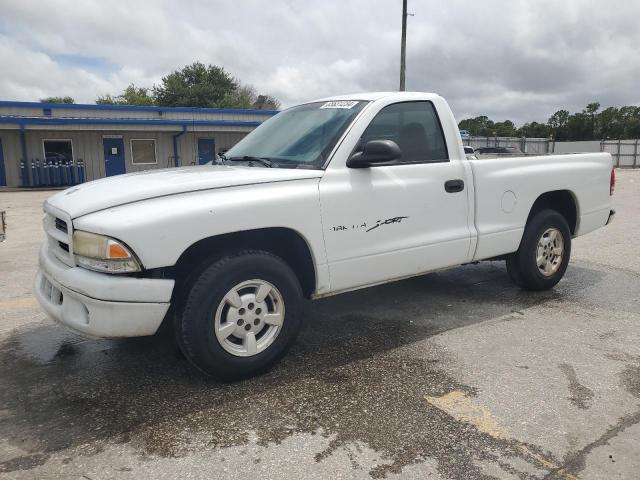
{"x": 482, "y": 126}
{"x": 630, "y": 118}
{"x": 504, "y": 129}
{"x": 589, "y": 124}
{"x": 131, "y": 95}
{"x": 610, "y": 123}
{"x": 558, "y": 124}
{"x": 592, "y": 110}
{"x": 478, "y": 127}
{"x": 243, "y": 96}
{"x": 534, "y": 130}
{"x": 579, "y": 127}
{"x": 58, "y": 100}
{"x": 266, "y": 102}
{"x": 196, "y": 85}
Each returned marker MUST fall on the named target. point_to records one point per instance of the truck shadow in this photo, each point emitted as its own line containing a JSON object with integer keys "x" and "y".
{"x": 357, "y": 354}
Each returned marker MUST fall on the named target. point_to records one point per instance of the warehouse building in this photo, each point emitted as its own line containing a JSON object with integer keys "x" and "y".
{"x": 107, "y": 140}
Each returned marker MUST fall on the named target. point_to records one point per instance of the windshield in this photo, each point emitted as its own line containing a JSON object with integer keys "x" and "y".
{"x": 301, "y": 136}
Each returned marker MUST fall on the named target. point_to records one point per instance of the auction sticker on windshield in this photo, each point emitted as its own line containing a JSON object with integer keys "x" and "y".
{"x": 340, "y": 104}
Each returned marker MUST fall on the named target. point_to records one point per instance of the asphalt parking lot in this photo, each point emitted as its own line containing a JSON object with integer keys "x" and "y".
{"x": 452, "y": 375}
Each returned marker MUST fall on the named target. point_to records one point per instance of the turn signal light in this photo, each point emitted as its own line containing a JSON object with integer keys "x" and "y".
{"x": 117, "y": 251}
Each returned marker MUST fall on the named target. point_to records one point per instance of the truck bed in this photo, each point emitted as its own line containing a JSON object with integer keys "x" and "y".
{"x": 505, "y": 189}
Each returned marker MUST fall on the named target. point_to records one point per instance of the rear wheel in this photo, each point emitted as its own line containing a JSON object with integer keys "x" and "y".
{"x": 240, "y": 315}
{"x": 544, "y": 252}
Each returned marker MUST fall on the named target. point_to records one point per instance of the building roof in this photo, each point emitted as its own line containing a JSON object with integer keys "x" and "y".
{"x": 131, "y": 108}
{"x": 42, "y": 115}
{"x": 18, "y": 120}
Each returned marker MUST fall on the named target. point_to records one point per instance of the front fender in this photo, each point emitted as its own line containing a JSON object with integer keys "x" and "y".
{"x": 159, "y": 230}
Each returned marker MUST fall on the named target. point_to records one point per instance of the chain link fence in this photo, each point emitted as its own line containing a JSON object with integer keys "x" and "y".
{"x": 531, "y": 146}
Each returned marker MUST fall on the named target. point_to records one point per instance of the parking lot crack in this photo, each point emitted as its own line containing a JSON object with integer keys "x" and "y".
{"x": 576, "y": 462}
{"x": 581, "y": 396}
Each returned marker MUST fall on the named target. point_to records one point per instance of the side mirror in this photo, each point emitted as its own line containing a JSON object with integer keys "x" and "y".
{"x": 375, "y": 152}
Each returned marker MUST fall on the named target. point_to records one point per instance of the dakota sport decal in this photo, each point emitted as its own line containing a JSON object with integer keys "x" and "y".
{"x": 379, "y": 223}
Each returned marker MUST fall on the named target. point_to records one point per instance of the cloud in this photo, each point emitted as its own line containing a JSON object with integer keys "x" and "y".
{"x": 520, "y": 60}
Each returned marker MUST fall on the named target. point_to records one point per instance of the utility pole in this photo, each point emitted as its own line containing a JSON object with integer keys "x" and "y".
{"x": 403, "y": 45}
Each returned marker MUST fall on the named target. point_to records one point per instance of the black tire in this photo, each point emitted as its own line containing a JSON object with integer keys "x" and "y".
{"x": 522, "y": 266}
{"x": 195, "y": 325}
{"x": 181, "y": 292}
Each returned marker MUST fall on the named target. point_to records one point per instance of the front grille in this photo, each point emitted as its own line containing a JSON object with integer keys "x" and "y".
{"x": 61, "y": 225}
{"x": 58, "y": 230}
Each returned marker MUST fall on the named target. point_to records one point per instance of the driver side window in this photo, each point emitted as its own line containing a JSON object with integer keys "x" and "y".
{"x": 415, "y": 127}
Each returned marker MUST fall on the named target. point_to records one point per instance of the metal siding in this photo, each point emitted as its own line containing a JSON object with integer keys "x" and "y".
{"x": 98, "y": 124}
{"x": 164, "y": 150}
{"x": 573, "y": 147}
{"x": 188, "y": 144}
{"x": 244, "y": 130}
{"x": 187, "y": 147}
{"x": 27, "y": 112}
{"x": 108, "y": 129}
{"x": 85, "y": 117}
{"x": 93, "y": 154}
{"x": 87, "y": 145}
{"x": 60, "y": 111}
{"x": 12, "y": 153}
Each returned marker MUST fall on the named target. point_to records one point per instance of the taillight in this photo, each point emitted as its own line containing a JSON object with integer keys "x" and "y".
{"x": 612, "y": 183}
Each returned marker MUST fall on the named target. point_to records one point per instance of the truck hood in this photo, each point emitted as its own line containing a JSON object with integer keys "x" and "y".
{"x": 133, "y": 187}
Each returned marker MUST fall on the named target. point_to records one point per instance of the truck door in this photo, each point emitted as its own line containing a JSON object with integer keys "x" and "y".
{"x": 393, "y": 221}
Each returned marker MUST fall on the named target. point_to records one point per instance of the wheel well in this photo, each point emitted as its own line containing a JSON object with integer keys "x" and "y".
{"x": 283, "y": 242}
{"x": 563, "y": 202}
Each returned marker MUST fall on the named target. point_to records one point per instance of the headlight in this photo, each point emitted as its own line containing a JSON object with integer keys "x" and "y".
{"x": 103, "y": 254}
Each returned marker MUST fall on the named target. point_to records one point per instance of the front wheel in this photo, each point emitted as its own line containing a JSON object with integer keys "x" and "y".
{"x": 241, "y": 315}
{"x": 544, "y": 252}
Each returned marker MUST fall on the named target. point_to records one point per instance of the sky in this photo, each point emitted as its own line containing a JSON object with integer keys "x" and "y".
{"x": 509, "y": 59}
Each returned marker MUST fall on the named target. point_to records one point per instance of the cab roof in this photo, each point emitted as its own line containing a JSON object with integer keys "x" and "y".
{"x": 373, "y": 96}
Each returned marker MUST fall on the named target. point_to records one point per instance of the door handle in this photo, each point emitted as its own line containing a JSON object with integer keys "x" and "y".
{"x": 453, "y": 186}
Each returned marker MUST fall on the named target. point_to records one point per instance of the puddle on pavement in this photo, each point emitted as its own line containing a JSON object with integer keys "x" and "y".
{"x": 346, "y": 378}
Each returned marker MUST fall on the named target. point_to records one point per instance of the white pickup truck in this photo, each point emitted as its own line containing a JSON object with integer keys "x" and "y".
{"x": 325, "y": 197}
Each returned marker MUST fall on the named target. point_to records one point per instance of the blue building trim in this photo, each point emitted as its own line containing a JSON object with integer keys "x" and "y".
{"x": 24, "y": 121}
{"x": 132, "y": 108}
{"x": 23, "y": 143}
{"x": 175, "y": 145}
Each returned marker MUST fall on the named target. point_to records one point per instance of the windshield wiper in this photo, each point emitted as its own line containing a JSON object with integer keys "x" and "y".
{"x": 247, "y": 158}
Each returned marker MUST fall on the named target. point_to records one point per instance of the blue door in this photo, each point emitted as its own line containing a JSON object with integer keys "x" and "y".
{"x": 113, "y": 156}
{"x": 206, "y": 151}
{"x": 3, "y": 177}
